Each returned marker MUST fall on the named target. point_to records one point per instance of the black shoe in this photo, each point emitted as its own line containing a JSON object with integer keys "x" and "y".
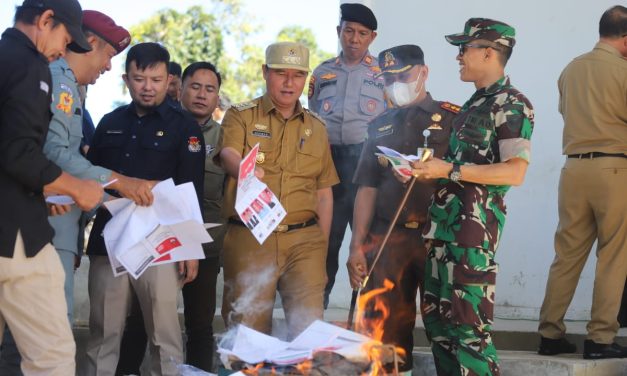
{"x": 593, "y": 350}
{"x": 550, "y": 346}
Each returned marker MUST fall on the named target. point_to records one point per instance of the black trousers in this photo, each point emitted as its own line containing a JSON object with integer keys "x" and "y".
{"x": 345, "y": 158}
{"x": 199, "y": 299}
{"x": 402, "y": 263}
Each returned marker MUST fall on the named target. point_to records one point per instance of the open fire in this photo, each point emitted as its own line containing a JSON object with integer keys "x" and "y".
{"x": 342, "y": 353}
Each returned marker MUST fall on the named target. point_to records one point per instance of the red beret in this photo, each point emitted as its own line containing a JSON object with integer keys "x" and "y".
{"x": 104, "y": 27}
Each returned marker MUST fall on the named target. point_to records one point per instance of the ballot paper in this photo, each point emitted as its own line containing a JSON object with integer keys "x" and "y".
{"x": 257, "y": 206}
{"x": 401, "y": 162}
{"x": 253, "y": 347}
{"x": 171, "y": 229}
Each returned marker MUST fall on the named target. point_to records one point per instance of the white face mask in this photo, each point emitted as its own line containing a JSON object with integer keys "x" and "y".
{"x": 403, "y": 93}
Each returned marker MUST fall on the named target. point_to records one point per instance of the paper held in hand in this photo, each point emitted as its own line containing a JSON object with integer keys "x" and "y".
{"x": 401, "y": 162}
{"x": 169, "y": 230}
{"x": 257, "y": 206}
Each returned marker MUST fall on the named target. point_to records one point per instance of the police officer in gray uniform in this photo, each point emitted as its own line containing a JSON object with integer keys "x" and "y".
{"x": 346, "y": 93}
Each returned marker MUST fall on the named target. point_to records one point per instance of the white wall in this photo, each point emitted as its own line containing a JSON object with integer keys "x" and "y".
{"x": 549, "y": 34}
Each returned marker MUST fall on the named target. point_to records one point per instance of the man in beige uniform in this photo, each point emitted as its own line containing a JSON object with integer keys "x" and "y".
{"x": 592, "y": 204}
{"x": 294, "y": 160}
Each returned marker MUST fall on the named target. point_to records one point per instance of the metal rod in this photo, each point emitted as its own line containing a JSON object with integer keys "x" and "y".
{"x": 351, "y": 310}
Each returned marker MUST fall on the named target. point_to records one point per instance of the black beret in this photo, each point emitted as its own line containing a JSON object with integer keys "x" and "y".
{"x": 400, "y": 58}
{"x": 359, "y": 13}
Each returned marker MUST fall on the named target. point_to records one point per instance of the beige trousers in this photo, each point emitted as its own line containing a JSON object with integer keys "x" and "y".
{"x": 592, "y": 207}
{"x": 294, "y": 263}
{"x": 110, "y": 299}
{"x": 32, "y": 304}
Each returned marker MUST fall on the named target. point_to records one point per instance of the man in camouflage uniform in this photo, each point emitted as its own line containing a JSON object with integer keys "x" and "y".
{"x": 489, "y": 152}
{"x": 346, "y": 92}
{"x": 416, "y": 120}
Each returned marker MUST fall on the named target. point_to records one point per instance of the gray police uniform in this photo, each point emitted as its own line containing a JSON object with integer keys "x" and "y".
{"x": 347, "y": 98}
{"x": 63, "y": 148}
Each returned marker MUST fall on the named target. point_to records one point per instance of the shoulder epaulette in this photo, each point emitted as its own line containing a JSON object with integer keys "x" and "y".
{"x": 448, "y": 106}
{"x": 244, "y": 105}
{"x": 316, "y": 116}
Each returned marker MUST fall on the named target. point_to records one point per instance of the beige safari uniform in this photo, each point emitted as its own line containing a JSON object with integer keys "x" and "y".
{"x": 296, "y": 158}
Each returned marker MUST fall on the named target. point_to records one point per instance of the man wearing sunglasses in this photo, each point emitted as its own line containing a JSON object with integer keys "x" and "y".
{"x": 488, "y": 152}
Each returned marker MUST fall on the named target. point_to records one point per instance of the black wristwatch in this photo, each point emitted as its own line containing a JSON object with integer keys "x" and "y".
{"x": 456, "y": 173}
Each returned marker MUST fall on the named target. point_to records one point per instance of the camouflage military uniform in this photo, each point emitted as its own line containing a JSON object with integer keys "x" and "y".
{"x": 466, "y": 221}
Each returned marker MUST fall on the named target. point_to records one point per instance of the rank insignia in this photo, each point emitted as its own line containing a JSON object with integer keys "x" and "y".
{"x": 368, "y": 59}
{"x": 65, "y": 102}
{"x": 436, "y": 117}
{"x": 261, "y": 157}
{"x": 388, "y": 59}
{"x": 193, "y": 144}
{"x": 435, "y": 126}
{"x": 160, "y": 133}
{"x": 451, "y": 107}
{"x": 307, "y": 132}
{"x": 328, "y": 76}
{"x": 261, "y": 127}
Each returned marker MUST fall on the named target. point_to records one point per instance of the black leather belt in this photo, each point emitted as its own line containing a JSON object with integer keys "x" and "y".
{"x": 281, "y": 228}
{"x": 595, "y": 154}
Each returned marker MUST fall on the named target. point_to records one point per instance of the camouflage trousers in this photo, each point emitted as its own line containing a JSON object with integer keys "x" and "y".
{"x": 458, "y": 309}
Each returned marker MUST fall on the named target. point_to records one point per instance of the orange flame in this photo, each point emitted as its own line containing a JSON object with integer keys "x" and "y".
{"x": 373, "y": 327}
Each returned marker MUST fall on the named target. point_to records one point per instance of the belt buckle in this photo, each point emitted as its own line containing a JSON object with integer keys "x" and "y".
{"x": 412, "y": 225}
{"x": 281, "y": 228}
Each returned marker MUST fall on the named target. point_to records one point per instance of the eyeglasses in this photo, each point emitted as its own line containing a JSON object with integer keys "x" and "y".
{"x": 464, "y": 47}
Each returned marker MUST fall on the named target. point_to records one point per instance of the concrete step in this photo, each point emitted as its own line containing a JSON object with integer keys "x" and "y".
{"x": 525, "y": 363}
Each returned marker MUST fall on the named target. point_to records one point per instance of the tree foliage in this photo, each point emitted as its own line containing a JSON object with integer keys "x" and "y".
{"x": 197, "y": 35}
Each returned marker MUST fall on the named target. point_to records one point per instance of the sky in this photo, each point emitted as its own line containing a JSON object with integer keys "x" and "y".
{"x": 322, "y": 19}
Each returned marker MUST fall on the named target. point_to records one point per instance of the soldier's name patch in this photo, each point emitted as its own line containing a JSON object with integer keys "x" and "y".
{"x": 64, "y": 87}
{"x": 114, "y": 131}
{"x": 65, "y": 102}
{"x": 263, "y": 134}
{"x": 373, "y": 83}
{"x": 193, "y": 144}
{"x": 327, "y": 83}
{"x": 328, "y": 76}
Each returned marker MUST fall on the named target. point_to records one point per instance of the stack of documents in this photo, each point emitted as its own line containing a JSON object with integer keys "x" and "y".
{"x": 169, "y": 230}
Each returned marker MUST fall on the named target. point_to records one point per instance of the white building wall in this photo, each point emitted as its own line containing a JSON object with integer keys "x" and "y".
{"x": 549, "y": 34}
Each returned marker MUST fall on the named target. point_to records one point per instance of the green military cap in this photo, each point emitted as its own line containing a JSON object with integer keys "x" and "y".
{"x": 486, "y": 29}
{"x": 287, "y": 55}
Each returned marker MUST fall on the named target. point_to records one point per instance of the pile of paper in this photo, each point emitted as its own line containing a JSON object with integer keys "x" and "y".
{"x": 254, "y": 347}
{"x": 169, "y": 230}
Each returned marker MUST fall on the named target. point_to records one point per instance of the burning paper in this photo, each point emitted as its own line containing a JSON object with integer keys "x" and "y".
{"x": 253, "y": 347}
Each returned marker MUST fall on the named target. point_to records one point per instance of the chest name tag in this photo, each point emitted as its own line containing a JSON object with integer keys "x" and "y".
{"x": 115, "y": 131}
{"x": 262, "y": 134}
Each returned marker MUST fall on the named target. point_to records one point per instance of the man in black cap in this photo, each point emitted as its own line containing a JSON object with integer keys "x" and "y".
{"x": 416, "y": 121}
{"x": 347, "y": 94}
{"x": 32, "y": 301}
